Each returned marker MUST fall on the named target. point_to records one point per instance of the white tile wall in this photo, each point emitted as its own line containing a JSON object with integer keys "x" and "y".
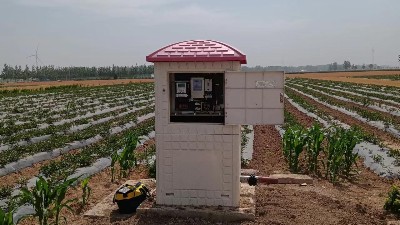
{"x": 212, "y": 146}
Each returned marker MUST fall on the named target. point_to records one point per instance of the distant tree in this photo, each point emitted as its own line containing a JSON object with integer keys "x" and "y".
{"x": 363, "y": 66}
{"x": 334, "y": 66}
{"x": 114, "y": 72}
{"x": 371, "y": 66}
{"x": 347, "y": 65}
{"x": 4, "y": 73}
{"x": 26, "y": 72}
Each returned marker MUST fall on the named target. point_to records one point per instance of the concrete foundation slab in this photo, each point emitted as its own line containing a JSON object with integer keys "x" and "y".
{"x": 246, "y": 210}
{"x": 292, "y": 178}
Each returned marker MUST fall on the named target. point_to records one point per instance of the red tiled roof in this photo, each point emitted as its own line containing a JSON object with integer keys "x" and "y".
{"x": 197, "y": 51}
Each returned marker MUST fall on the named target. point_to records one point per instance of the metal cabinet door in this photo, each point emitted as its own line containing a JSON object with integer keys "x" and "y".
{"x": 254, "y": 98}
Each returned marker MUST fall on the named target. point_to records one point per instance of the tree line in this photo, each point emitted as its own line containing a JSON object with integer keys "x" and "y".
{"x": 347, "y": 66}
{"x": 51, "y": 72}
{"x": 314, "y": 68}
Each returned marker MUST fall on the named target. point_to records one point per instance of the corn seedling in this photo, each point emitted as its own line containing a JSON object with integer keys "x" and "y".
{"x": 126, "y": 159}
{"x": 350, "y": 138}
{"x": 340, "y": 156}
{"x": 6, "y": 218}
{"x": 392, "y": 203}
{"x": 334, "y": 156}
{"x": 315, "y": 137}
{"x": 294, "y": 142}
{"x": 86, "y": 190}
{"x": 47, "y": 199}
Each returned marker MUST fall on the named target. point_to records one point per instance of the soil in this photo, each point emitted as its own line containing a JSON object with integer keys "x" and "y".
{"x": 44, "y": 84}
{"x": 351, "y": 76}
{"x": 302, "y": 118}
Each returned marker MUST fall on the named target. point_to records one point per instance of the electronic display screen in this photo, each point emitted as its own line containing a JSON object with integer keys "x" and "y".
{"x": 197, "y": 85}
{"x": 181, "y": 88}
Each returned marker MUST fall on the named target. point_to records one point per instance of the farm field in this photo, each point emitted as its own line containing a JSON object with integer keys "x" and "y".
{"x": 46, "y": 84}
{"x": 81, "y": 127}
{"x": 383, "y": 78}
{"x": 69, "y": 131}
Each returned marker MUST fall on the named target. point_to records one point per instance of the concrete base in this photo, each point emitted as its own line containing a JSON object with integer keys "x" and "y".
{"x": 292, "y": 178}
{"x": 246, "y": 211}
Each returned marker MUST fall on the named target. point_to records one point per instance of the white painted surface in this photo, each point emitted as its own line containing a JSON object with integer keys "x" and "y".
{"x": 254, "y": 98}
{"x": 197, "y": 164}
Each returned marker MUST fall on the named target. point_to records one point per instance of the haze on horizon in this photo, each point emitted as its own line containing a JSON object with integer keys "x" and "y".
{"x": 123, "y": 32}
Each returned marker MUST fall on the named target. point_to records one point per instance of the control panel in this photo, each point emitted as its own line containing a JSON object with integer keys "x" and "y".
{"x": 197, "y": 97}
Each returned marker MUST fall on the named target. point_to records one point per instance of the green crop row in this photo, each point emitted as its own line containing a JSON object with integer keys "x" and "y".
{"x": 364, "y": 100}
{"x": 73, "y": 109}
{"x": 12, "y": 136}
{"x": 336, "y": 158}
{"x": 61, "y": 169}
{"x": 303, "y": 103}
{"x": 356, "y": 88}
{"x": 68, "y": 89}
{"x": 370, "y": 115}
{"x": 311, "y": 108}
{"x": 18, "y": 152}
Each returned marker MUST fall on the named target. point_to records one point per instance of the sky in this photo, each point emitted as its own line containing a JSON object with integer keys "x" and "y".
{"x": 273, "y": 32}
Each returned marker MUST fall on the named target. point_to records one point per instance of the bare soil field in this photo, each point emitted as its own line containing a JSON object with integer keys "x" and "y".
{"x": 352, "y": 77}
{"x": 45, "y": 84}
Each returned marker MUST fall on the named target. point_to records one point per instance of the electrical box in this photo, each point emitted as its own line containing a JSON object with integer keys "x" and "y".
{"x": 181, "y": 90}
{"x": 197, "y": 90}
{"x": 197, "y": 97}
{"x": 201, "y": 100}
{"x": 230, "y": 98}
{"x": 208, "y": 85}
